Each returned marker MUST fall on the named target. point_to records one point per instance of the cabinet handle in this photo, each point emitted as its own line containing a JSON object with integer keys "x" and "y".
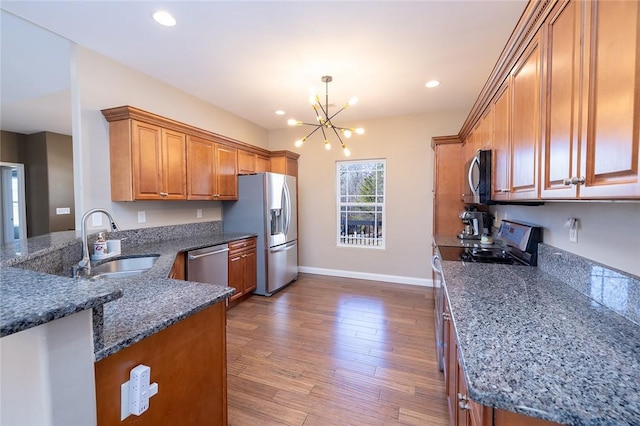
{"x": 164, "y": 194}
{"x": 446, "y": 316}
{"x": 505, "y": 190}
{"x": 464, "y": 406}
{"x": 577, "y": 180}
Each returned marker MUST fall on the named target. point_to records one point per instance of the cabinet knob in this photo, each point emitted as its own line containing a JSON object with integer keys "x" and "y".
{"x": 566, "y": 181}
{"x": 446, "y": 316}
{"x": 464, "y": 405}
{"x": 164, "y": 194}
{"x": 505, "y": 190}
{"x": 462, "y": 397}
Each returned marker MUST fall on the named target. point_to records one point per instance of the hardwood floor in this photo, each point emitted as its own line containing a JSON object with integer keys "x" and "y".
{"x": 335, "y": 351}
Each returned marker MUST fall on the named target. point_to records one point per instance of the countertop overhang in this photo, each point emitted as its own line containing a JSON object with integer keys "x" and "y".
{"x": 125, "y": 310}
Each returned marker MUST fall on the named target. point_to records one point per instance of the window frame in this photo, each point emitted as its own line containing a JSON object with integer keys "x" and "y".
{"x": 383, "y": 205}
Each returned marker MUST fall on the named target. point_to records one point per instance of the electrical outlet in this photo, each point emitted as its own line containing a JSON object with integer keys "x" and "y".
{"x": 142, "y": 217}
{"x": 572, "y": 224}
{"x": 198, "y": 213}
{"x": 96, "y": 219}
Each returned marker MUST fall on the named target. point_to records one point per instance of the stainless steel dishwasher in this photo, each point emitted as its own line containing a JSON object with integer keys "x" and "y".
{"x": 209, "y": 265}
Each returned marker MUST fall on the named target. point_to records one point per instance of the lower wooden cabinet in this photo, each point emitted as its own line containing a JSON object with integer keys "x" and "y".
{"x": 242, "y": 268}
{"x": 188, "y": 360}
{"x": 179, "y": 268}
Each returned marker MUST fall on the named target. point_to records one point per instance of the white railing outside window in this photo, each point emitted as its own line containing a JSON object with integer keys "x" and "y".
{"x": 360, "y": 201}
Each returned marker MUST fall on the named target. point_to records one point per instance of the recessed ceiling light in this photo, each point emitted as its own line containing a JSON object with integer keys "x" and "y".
{"x": 164, "y": 18}
{"x": 280, "y": 112}
{"x": 432, "y": 83}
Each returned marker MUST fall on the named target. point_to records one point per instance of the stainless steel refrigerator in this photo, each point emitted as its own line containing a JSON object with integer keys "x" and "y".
{"x": 267, "y": 206}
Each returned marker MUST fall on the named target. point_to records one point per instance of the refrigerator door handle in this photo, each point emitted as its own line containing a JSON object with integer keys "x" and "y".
{"x": 286, "y": 247}
{"x": 287, "y": 198}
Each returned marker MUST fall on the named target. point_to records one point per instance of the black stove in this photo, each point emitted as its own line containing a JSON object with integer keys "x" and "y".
{"x": 516, "y": 243}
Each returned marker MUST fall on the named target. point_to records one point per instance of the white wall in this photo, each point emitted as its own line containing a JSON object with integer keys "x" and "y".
{"x": 47, "y": 375}
{"x": 99, "y": 83}
{"x": 609, "y": 232}
{"x": 405, "y": 143}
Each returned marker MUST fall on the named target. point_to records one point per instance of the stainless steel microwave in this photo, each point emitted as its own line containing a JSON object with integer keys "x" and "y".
{"x": 478, "y": 178}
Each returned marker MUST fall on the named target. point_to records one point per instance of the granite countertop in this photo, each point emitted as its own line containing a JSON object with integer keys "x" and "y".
{"x": 126, "y": 310}
{"x": 532, "y": 344}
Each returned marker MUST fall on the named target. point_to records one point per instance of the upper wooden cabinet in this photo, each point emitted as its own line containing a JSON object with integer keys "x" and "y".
{"x": 609, "y": 154}
{"x": 525, "y": 123}
{"x": 591, "y": 144}
{"x": 156, "y": 158}
{"x": 249, "y": 163}
{"x": 211, "y": 170}
{"x": 147, "y": 162}
{"x": 285, "y": 162}
{"x": 501, "y": 148}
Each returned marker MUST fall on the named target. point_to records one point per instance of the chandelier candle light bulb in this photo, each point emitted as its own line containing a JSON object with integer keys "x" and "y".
{"x": 324, "y": 120}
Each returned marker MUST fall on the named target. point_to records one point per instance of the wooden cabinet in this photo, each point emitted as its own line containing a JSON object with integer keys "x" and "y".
{"x": 284, "y": 162}
{"x": 187, "y": 360}
{"x": 179, "y": 268}
{"x": 242, "y": 268}
{"x": 609, "y": 153}
{"x": 249, "y": 163}
{"x": 211, "y": 170}
{"x": 447, "y": 185}
{"x": 501, "y": 148}
{"x": 591, "y": 145}
{"x": 147, "y": 162}
{"x": 525, "y": 83}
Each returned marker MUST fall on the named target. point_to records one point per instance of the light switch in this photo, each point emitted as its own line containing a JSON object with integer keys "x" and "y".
{"x": 142, "y": 217}
{"x": 63, "y": 210}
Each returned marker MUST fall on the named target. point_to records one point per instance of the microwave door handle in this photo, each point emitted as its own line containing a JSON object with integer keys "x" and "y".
{"x": 475, "y": 162}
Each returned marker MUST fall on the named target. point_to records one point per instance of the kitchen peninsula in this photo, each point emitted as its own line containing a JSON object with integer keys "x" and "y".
{"x": 124, "y": 322}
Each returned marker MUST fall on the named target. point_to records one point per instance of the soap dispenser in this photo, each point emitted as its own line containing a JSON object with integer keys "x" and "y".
{"x": 100, "y": 246}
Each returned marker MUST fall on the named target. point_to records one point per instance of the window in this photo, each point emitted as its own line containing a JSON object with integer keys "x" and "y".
{"x": 361, "y": 203}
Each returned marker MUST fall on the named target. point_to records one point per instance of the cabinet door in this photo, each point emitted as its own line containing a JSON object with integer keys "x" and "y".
{"x": 236, "y": 274}
{"x": 250, "y": 271}
{"x": 501, "y": 143}
{"x": 447, "y": 189}
{"x": 201, "y": 169}
{"x": 451, "y": 358}
{"x": 525, "y": 122}
{"x": 226, "y": 174}
{"x": 462, "y": 404}
{"x": 174, "y": 165}
{"x": 610, "y": 153}
{"x": 263, "y": 164}
{"x": 246, "y": 162}
{"x": 147, "y": 161}
{"x": 562, "y": 80}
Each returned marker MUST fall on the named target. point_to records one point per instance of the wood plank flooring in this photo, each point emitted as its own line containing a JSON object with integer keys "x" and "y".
{"x": 335, "y": 351}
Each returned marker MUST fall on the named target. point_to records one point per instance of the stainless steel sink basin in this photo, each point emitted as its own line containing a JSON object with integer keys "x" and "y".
{"x": 121, "y": 268}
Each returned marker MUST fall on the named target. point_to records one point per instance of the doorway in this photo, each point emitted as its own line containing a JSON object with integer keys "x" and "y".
{"x": 13, "y": 213}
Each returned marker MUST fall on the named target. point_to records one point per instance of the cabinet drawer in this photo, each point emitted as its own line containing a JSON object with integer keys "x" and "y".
{"x": 240, "y": 245}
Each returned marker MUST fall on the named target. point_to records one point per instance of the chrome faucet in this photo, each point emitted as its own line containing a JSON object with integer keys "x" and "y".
{"x": 85, "y": 263}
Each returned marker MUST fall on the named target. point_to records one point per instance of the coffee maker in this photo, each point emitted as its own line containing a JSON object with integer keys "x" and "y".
{"x": 476, "y": 224}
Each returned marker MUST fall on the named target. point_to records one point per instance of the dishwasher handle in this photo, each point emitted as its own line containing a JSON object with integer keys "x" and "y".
{"x": 209, "y": 253}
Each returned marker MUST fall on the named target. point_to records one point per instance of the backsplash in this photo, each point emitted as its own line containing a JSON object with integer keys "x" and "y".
{"x": 616, "y": 290}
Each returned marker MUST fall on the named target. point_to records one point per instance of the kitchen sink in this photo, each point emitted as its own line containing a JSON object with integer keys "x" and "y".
{"x": 121, "y": 268}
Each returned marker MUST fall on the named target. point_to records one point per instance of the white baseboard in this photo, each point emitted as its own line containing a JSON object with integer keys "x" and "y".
{"x": 424, "y": 282}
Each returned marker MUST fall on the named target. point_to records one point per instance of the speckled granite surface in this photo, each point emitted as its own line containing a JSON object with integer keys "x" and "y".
{"x": 616, "y": 290}
{"x": 30, "y": 298}
{"x": 534, "y": 345}
{"x": 137, "y": 307}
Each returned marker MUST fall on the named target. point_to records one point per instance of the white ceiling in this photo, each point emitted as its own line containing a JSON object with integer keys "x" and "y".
{"x": 251, "y": 58}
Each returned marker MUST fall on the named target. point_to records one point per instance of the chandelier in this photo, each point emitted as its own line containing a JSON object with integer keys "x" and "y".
{"x": 324, "y": 120}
